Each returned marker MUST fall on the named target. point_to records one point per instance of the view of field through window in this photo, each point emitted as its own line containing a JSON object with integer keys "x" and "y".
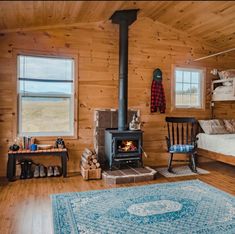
{"x": 45, "y": 114}
{"x": 187, "y": 88}
{"x": 45, "y": 96}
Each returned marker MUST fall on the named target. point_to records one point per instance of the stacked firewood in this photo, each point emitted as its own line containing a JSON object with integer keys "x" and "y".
{"x": 89, "y": 160}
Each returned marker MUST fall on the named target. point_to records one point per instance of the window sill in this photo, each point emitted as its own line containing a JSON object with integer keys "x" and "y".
{"x": 53, "y": 138}
{"x": 175, "y": 109}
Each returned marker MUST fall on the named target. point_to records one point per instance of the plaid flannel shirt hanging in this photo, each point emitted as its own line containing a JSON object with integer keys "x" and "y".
{"x": 158, "y": 101}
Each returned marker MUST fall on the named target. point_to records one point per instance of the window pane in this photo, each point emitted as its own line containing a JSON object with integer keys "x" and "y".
{"x": 45, "y": 87}
{"x": 195, "y": 77}
{"x": 179, "y": 87}
{"x": 195, "y": 88}
{"x": 186, "y": 88}
{"x": 195, "y": 99}
{"x": 45, "y": 115}
{"x": 178, "y": 99}
{"x": 45, "y": 68}
{"x": 186, "y": 99}
{"x": 186, "y": 77}
{"x": 179, "y": 76}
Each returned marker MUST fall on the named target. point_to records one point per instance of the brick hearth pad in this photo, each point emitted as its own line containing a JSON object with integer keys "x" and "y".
{"x": 129, "y": 175}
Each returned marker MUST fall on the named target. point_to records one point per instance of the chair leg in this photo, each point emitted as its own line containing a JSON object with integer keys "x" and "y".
{"x": 193, "y": 164}
{"x": 170, "y": 162}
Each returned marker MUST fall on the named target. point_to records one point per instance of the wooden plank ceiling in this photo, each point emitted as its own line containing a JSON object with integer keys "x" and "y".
{"x": 212, "y": 21}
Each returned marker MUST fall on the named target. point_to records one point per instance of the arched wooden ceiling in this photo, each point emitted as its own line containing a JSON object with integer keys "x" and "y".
{"x": 212, "y": 21}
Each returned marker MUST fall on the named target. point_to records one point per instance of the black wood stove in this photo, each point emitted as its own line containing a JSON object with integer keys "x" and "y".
{"x": 123, "y": 146}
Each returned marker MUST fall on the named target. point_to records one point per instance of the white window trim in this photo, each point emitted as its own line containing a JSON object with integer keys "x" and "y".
{"x": 202, "y": 80}
{"x": 71, "y": 133}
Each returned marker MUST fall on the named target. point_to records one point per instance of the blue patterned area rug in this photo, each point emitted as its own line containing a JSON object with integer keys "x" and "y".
{"x": 179, "y": 207}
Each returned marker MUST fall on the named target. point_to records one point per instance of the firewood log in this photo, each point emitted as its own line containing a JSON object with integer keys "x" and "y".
{"x": 94, "y": 156}
{"x": 88, "y": 152}
{"x": 85, "y": 160}
{"x": 86, "y": 156}
{"x": 94, "y": 161}
{"x": 97, "y": 165}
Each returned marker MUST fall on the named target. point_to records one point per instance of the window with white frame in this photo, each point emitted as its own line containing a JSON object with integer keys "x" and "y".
{"x": 45, "y": 96}
{"x": 188, "y": 87}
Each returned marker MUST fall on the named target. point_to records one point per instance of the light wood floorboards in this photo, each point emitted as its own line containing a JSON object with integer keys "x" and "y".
{"x": 25, "y": 206}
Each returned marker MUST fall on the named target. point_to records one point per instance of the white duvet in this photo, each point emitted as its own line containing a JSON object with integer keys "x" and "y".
{"x": 223, "y": 90}
{"x": 219, "y": 143}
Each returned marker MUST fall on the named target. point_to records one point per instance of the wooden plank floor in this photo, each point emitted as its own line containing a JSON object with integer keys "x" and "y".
{"x": 25, "y": 204}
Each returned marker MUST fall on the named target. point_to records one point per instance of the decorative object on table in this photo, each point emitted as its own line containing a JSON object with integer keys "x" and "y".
{"x": 90, "y": 167}
{"x": 33, "y": 147}
{"x": 27, "y": 142}
{"x": 14, "y": 147}
{"x": 135, "y": 123}
{"x": 44, "y": 147}
{"x": 59, "y": 143}
{"x": 179, "y": 207}
{"x": 180, "y": 171}
{"x": 158, "y": 101}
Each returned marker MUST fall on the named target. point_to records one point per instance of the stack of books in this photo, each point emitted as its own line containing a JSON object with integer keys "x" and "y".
{"x": 26, "y": 142}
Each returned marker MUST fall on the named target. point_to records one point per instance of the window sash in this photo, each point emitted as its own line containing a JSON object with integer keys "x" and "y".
{"x": 191, "y": 83}
{"x": 56, "y": 133}
{"x": 26, "y": 69}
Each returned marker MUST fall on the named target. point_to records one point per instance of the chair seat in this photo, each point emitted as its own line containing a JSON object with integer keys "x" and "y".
{"x": 181, "y": 148}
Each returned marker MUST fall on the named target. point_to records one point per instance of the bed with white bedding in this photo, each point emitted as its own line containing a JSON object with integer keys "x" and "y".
{"x": 219, "y": 147}
{"x": 223, "y": 93}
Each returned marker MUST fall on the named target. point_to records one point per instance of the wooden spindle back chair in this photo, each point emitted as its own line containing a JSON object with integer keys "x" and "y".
{"x": 182, "y": 139}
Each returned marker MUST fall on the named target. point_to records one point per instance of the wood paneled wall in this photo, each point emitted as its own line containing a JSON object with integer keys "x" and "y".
{"x": 224, "y": 110}
{"x": 151, "y": 45}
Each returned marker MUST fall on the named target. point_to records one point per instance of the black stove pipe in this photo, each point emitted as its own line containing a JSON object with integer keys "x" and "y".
{"x": 123, "y": 76}
{"x": 124, "y": 18}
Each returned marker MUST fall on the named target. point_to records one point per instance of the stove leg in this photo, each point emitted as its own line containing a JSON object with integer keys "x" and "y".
{"x": 140, "y": 163}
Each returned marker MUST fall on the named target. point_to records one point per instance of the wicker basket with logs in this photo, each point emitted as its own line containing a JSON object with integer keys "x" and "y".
{"x": 90, "y": 167}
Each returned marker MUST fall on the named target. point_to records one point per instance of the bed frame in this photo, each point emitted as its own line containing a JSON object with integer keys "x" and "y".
{"x": 216, "y": 156}
{"x": 229, "y": 159}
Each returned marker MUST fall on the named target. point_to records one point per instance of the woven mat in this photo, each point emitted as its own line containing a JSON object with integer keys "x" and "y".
{"x": 180, "y": 171}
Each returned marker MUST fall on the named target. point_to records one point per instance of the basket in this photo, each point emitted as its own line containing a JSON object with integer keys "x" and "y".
{"x": 91, "y": 174}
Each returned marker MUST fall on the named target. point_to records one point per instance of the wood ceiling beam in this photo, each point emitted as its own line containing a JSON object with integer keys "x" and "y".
{"x": 47, "y": 27}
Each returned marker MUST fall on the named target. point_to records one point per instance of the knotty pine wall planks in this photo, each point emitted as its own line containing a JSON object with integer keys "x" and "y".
{"x": 224, "y": 110}
{"x": 151, "y": 45}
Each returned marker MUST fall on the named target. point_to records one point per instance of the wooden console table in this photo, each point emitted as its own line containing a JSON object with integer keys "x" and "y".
{"x": 14, "y": 155}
